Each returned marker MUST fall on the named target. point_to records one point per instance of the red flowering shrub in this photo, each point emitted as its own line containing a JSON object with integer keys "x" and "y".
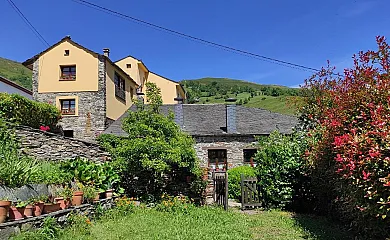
{"x": 348, "y": 118}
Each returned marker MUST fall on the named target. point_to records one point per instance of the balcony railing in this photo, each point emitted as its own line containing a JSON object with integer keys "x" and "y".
{"x": 120, "y": 93}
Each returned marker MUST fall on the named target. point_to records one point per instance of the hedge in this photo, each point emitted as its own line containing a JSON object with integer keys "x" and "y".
{"x": 21, "y": 110}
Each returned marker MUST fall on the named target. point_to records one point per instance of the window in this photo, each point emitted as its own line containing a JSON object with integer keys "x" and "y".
{"x": 68, "y": 73}
{"x": 128, "y": 65}
{"x": 131, "y": 93}
{"x": 66, "y": 53}
{"x": 68, "y": 106}
{"x": 119, "y": 87}
{"x": 217, "y": 159}
{"x": 68, "y": 133}
{"x": 249, "y": 155}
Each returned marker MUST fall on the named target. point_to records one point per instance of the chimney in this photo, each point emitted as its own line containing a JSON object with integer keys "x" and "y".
{"x": 179, "y": 117}
{"x": 106, "y": 52}
{"x": 231, "y": 126}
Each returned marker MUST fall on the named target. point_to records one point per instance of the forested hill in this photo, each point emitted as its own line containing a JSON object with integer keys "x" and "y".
{"x": 215, "y": 90}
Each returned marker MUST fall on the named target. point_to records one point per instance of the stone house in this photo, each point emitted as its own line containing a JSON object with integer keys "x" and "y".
{"x": 224, "y": 133}
{"x": 89, "y": 89}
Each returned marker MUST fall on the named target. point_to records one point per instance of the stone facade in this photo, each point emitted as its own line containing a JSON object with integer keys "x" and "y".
{"x": 91, "y": 119}
{"x": 234, "y": 146}
{"x": 53, "y": 147}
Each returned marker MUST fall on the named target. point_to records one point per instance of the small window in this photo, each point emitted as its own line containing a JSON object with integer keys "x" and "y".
{"x": 68, "y": 133}
{"x": 68, "y": 73}
{"x": 66, "y": 53}
{"x": 119, "y": 87}
{"x": 249, "y": 155}
{"x": 217, "y": 159}
{"x": 128, "y": 65}
{"x": 68, "y": 106}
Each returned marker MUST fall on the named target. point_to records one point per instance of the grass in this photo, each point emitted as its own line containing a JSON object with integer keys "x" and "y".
{"x": 16, "y": 72}
{"x": 281, "y": 104}
{"x": 202, "y": 223}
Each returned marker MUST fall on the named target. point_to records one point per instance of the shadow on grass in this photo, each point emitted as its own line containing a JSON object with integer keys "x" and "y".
{"x": 321, "y": 228}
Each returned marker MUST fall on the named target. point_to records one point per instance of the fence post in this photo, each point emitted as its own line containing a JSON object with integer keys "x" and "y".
{"x": 226, "y": 191}
{"x": 242, "y": 191}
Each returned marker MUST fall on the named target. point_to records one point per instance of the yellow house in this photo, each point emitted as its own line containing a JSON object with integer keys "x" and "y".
{"x": 140, "y": 73}
{"x": 90, "y": 90}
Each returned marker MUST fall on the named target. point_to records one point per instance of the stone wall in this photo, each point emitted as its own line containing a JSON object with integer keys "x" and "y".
{"x": 9, "y": 229}
{"x": 91, "y": 119}
{"x": 234, "y": 146}
{"x": 53, "y": 147}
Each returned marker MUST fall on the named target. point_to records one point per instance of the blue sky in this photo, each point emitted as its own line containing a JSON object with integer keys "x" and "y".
{"x": 305, "y": 32}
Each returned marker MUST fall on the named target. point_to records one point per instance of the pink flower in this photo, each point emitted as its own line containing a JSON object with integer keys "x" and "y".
{"x": 44, "y": 128}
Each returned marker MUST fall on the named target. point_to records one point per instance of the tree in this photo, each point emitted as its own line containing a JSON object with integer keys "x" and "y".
{"x": 156, "y": 157}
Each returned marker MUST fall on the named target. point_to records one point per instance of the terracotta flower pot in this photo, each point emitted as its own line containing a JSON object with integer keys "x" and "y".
{"x": 109, "y": 193}
{"x": 97, "y": 197}
{"x": 4, "y": 208}
{"x": 16, "y": 213}
{"x": 77, "y": 198}
{"x": 64, "y": 203}
{"x": 51, "y": 207}
{"x": 38, "y": 208}
{"x": 28, "y": 211}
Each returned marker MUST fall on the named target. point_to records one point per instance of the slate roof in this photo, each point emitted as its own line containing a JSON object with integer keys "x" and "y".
{"x": 210, "y": 120}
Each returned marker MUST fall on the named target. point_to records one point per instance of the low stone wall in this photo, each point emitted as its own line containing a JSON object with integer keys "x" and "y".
{"x": 49, "y": 146}
{"x": 10, "y": 228}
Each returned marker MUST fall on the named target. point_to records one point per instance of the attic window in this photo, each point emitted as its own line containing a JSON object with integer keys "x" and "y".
{"x": 66, "y": 53}
{"x": 128, "y": 65}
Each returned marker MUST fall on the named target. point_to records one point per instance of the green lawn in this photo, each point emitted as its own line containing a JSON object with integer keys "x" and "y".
{"x": 202, "y": 223}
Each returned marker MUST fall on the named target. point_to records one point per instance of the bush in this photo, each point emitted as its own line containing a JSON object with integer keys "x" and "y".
{"x": 16, "y": 170}
{"x": 21, "y": 110}
{"x": 157, "y": 156}
{"x": 102, "y": 176}
{"x": 281, "y": 170}
{"x": 234, "y": 180}
{"x": 348, "y": 119}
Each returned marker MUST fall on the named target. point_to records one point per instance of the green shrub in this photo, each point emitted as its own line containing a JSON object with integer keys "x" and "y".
{"x": 281, "y": 170}
{"x": 52, "y": 173}
{"x": 156, "y": 156}
{"x": 15, "y": 169}
{"x": 234, "y": 179}
{"x": 101, "y": 175}
{"x": 21, "y": 110}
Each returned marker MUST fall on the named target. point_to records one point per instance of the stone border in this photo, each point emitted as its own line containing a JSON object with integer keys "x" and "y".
{"x": 9, "y": 228}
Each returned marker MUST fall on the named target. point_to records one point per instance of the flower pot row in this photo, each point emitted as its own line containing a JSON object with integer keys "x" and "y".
{"x": 34, "y": 209}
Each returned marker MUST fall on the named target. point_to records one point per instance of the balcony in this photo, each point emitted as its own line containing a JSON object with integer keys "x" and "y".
{"x": 120, "y": 93}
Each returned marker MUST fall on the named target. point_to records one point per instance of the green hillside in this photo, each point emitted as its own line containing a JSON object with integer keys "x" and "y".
{"x": 215, "y": 90}
{"x": 16, "y": 72}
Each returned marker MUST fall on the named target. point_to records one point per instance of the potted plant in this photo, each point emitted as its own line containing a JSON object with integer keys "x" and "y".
{"x": 50, "y": 207}
{"x": 77, "y": 198}
{"x": 4, "y": 208}
{"x": 16, "y": 212}
{"x": 28, "y": 209}
{"x": 109, "y": 191}
{"x": 39, "y": 203}
{"x": 64, "y": 198}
